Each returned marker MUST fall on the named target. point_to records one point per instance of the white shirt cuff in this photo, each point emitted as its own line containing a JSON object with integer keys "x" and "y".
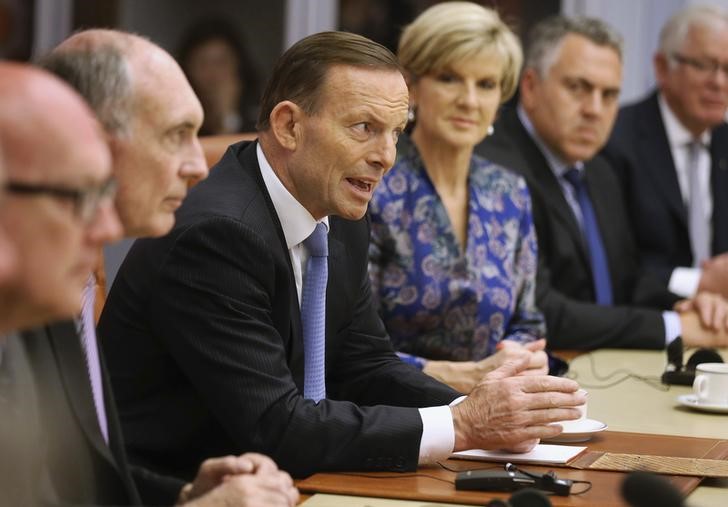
{"x": 438, "y": 433}
{"x": 673, "y": 328}
{"x": 684, "y": 281}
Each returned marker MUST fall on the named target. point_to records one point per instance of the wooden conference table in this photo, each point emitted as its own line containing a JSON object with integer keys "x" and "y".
{"x": 634, "y": 405}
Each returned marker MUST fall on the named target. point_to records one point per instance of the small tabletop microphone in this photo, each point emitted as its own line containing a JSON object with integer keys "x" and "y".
{"x": 642, "y": 489}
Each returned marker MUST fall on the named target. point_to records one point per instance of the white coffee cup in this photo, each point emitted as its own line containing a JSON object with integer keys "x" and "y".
{"x": 711, "y": 383}
{"x": 582, "y": 408}
{"x": 575, "y": 423}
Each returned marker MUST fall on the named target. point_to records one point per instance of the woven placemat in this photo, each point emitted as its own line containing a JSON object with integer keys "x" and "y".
{"x": 669, "y": 465}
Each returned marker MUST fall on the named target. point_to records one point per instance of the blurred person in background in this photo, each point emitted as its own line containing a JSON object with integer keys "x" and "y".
{"x": 590, "y": 286}
{"x": 670, "y": 151}
{"x": 453, "y": 251}
{"x": 223, "y": 76}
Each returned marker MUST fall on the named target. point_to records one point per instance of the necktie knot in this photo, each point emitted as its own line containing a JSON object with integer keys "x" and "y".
{"x": 695, "y": 144}
{"x": 317, "y": 243}
{"x": 574, "y": 177}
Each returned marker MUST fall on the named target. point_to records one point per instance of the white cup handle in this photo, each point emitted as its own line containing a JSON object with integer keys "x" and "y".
{"x": 700, "y": 386}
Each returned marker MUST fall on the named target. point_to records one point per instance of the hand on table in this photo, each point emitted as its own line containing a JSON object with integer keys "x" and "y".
{"x": 249, "y": 480}
{"x": 711, "y": 308}
{"x": 715, "y": 275}
{"x": 539, "y": 360}
{"x": 695, "y": 334}
{"x": 464, "y": 375}
{"x": 511, "y": 411}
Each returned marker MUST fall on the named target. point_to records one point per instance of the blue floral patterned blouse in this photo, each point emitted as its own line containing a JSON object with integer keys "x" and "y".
{"x": 436, "y": 301}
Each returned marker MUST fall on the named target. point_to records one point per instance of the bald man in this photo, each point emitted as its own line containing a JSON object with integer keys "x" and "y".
{"x": 151, "y": 114}
{"x": 151, "y": 117}
{"x": 58, "y": 210}
{"x": 57, "y": 213}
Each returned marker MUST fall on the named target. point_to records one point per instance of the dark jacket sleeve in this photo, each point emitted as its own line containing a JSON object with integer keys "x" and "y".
{"x": 578, "y": 324}
{"x": 217, "y": 297}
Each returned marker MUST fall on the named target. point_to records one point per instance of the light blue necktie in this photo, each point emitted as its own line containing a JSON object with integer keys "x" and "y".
{"x": 597, "y": 253}
{"x": 313, "y": 314}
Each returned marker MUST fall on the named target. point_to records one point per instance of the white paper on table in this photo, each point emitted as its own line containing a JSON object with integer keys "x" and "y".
{"x": 542, "y": 454}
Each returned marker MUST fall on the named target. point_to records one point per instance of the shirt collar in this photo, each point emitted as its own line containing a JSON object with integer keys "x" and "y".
{"x": 558, "y": 166}
{"x": 297, "y": 222}
{"x": 677, "y": 135}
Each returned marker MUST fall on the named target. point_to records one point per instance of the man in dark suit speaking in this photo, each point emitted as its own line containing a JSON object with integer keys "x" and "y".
{"x": 250, "y": 327}
{"x": 590, "y": 287}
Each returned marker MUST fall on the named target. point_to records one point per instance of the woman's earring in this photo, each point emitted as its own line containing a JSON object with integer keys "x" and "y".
{"x": 490, "y": 130}
{"x": 411, "y": 114}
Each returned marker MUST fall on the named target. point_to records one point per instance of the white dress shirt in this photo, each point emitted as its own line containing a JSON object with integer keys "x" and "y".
{"x": 438, "y": 431}
{"x": 684, "y": 280}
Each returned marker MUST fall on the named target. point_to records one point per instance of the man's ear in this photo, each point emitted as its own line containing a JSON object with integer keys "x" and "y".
{"x": 662, "y": 68}
{"x": 529, "y": 81}
{"x": 285, "y": 124}
{"x": 411, "y": 88}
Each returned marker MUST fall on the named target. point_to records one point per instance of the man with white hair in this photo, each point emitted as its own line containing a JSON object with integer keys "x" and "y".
{"x": 671, "y": 153}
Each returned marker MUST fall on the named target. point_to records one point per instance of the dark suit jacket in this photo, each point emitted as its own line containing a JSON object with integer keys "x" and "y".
{"x": 565, "y": 290}
{"x": 21, "y": 438}
{"x": 640, "y": 153}
{"x": 203, "y": 337}
{"x": 82, "y": 468}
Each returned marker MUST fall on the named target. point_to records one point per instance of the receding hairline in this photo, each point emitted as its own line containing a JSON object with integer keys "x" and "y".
{"x": 546, "y": 39}
{"x": 148, "y": 65}
{"x": 138, "y": 51}
{"x": 92, "y": 38}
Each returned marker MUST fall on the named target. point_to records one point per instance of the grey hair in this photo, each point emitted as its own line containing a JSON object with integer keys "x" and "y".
{"x": 675, "y": 31}
{"x": 102, "y": 77}
{"x": 546, "y": 37}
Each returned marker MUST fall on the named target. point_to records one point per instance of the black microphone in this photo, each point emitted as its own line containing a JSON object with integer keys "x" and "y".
{"x": 527, "y": 497}
{"x": 701, "y": 356}
{"x": 684, "y": 374}
{"x": 642, "y": 489}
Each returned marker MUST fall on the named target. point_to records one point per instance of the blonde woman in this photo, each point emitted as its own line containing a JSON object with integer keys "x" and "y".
{"x": 453, "y": 253}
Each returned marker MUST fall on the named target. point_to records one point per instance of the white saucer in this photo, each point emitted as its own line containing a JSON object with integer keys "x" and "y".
{"x": 578, "y": 431}
{"x": 692, "y": 401}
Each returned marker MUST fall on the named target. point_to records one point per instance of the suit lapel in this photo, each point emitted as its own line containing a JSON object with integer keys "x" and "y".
{"x": 604, "y": 207}
{"x": 249, "y": 160}
{"x": 72, "y": 367}
{"x": 337, "y": 271}
{"x": 655, "y": 157}
{"x": 719, "y": 186}
{"x": 540, "y": 172}
{"x": 116, "y": 441}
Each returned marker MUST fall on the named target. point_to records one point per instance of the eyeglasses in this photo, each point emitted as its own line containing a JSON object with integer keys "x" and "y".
{"x": 86, "y": 201}
{"x": 707, "y": 67}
